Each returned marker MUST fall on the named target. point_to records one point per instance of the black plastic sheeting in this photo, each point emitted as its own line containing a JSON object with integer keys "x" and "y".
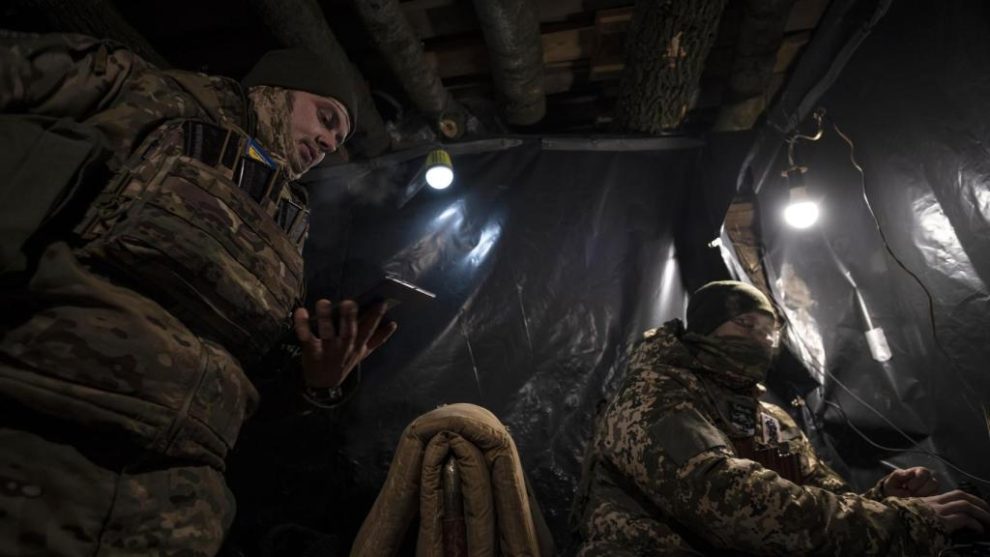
{"x": 546, "y": 264}
{"x": 913, "y": 101}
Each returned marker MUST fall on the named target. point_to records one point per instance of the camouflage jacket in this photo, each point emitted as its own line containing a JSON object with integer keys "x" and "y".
{"x": 664, "y": 475}
{"x": 184, "y": 268}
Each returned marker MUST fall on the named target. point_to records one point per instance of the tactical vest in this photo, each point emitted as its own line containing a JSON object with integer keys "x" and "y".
{"x": 755, "y": 434}
{"x": 204, "y": 223}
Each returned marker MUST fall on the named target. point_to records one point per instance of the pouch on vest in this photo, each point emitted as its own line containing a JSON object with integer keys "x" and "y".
{"x": 207, "y": 232}
{"x": 46, "y": 163}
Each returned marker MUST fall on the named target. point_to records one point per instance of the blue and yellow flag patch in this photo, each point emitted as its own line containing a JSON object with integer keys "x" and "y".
{"x": 254, "y": 150}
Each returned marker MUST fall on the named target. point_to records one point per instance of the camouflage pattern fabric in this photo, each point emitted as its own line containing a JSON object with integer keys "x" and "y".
{"x": 662, "y": 476}
{"x": 217, "y": 256}
{"x": 274, "y": 106}
{"x": 103, "y": 85}
{"x": 55, "y": 500}
{"x": 120, "y": 334}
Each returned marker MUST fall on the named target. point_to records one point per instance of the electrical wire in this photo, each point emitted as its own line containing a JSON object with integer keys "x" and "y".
{"x": 869, "y": 440}
{"x": 819, "y": 115}
{"x": 792, "y": 165}
{"x": 890, "y": 251}
{"x": 886, "y": 420}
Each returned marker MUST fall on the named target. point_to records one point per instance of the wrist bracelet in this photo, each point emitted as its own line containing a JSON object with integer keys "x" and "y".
{"x": 323, "y": 397}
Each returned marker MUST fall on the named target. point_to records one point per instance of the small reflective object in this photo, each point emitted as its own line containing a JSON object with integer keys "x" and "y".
{"x": 877, "y": 341}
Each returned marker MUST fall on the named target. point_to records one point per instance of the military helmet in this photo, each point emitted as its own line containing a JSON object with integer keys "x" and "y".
{"x": 719, "y": 301}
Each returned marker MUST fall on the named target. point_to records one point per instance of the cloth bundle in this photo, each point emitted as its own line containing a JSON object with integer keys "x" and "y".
{"x": 500, "y": 514}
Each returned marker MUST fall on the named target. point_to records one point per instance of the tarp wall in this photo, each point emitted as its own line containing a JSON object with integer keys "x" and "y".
{"x": 913, "y": 101}
{"x": 546, "y": 263}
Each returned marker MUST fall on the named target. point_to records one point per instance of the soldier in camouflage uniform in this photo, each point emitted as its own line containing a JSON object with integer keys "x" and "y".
{"x": 125, "y": 341}
{"x": 686, "y": 460}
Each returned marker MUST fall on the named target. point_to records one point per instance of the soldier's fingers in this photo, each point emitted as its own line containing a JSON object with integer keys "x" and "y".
{"x": 300, "y": 322}
{"x": 960, "y": 494}
{"x": 965, "y": 507}
{"x": 893, "y": 484}
{"x": 381, "y": 335}
{"x": 982, "y": 503}
{"x": 324, "y": 319}
{"x": 983, "y": 509}
{"x": 348, "y": 324}
{"x": 898, "y": 477}
{"x": 917, "y": 479}
{"x": 349, "y": 329}
{"x": 929, "y": 488}
{"x": 369, "y": 323}
{"x": 954, "y": 522}
{"x": 949, "y": 496}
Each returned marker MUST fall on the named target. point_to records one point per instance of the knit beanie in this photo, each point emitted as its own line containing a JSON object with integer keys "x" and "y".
{"x": 300, "y": 69}
{"x": 719, "y": 301}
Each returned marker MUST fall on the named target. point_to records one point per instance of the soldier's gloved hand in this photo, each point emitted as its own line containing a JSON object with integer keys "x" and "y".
{"x": 958, "y": 509}
{"x": 337, "y": 348}
{"x": 910, "y": 482}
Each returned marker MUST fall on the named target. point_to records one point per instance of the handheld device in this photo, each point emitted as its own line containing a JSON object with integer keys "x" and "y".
{"x": 392, "y": 291}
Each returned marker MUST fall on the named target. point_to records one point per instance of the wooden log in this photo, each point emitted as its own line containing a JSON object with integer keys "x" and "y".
{"x": 403, "y": 51}
{"x": 761, "y": 35}
{"x": 666, "y": 49}
{"x": 789, "y": 49}
{"x": 512, "y": 34}
{"x": 805, "y": 15}
{"x": 611, "y": 27}
{"x": 465, "y": 57}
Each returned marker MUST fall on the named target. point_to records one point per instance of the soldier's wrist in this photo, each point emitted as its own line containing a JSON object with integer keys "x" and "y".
{"x": 323, "y": 397}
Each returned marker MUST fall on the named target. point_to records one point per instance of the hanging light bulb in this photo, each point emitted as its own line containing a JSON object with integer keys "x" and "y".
{"x": 801, "y": 215}
{"x": 439, "y": 169}
{"x": 801, "y": 210}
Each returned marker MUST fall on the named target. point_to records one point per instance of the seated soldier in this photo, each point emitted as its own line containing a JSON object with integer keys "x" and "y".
{"x": 686, "y": 460}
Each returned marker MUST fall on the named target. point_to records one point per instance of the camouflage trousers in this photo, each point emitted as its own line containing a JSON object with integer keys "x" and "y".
{"x": 56, "y": 501}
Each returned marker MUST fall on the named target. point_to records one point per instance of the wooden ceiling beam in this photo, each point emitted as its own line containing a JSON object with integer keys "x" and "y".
{"x": 790, "y": 47}
{"x": 579, "y": 53}
{"x": 761, "y": 34}
{"x": 470, "y": 57}
{"x": 403, "y": 51}
{"x": 665, "y": 57}
{"x": 805, "y": 15}
{"x": 512, "y": 36}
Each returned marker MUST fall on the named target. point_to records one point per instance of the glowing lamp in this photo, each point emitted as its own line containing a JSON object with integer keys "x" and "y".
{"x": 439, "y": 169}
{"x": 801, "y": 211}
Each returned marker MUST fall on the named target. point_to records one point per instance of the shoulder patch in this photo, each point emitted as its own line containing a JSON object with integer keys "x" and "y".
{"x": 686, "y": 433}
{"x": 789, "y": 430}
